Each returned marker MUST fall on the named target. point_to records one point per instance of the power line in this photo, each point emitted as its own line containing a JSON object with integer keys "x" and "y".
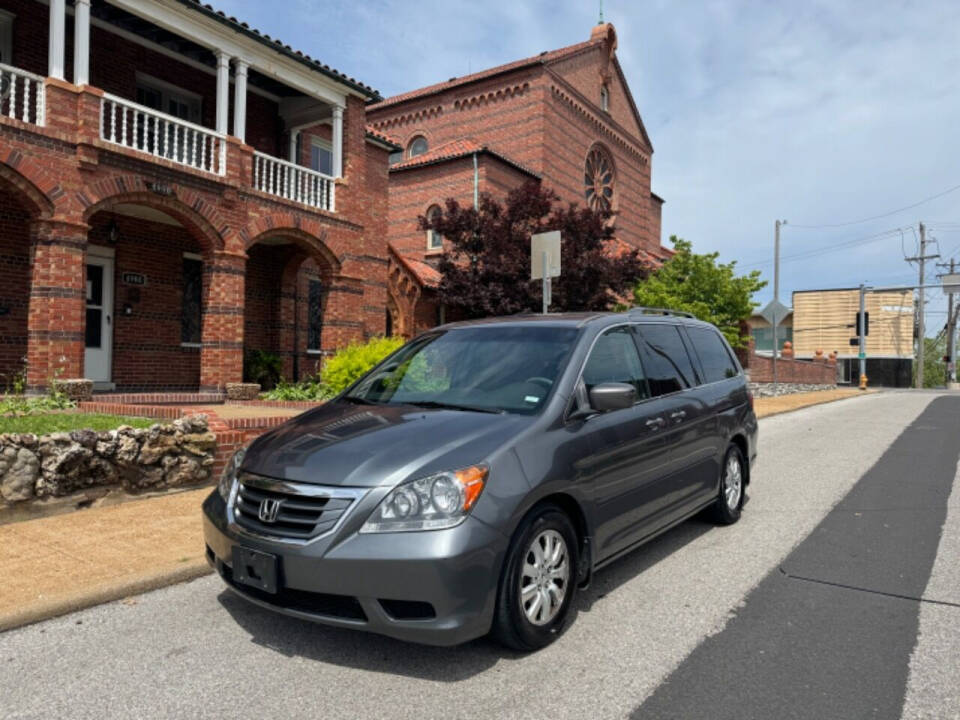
{"x": 877, "y": 217}
{"x": 826, "y": 249}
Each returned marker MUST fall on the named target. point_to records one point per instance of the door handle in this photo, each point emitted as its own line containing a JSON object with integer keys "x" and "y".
{"x": 678, "y": 415}
{"x": 655, "y": 422}
{"x": 108, "y": 319}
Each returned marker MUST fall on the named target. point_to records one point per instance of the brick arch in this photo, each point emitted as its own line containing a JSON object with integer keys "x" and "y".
{"x": 184, "y": 205}
{"x": 313, "y": 243}
{"x": 24, "y": 183}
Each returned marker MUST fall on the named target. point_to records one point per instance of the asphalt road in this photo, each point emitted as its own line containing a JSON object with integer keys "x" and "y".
{"x": 836, "y": 596}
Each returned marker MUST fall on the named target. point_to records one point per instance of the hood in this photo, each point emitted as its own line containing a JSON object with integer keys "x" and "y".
{"x": 378, "y": 445}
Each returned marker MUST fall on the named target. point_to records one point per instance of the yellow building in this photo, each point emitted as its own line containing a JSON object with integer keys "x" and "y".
{"x": 825, "y": 320}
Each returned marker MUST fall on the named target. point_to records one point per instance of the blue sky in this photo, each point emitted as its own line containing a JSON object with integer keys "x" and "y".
{"x": 815, "y": 112}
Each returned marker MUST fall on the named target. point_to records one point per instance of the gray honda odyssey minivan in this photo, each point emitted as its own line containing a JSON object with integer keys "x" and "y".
{"x": 473, "y": 480}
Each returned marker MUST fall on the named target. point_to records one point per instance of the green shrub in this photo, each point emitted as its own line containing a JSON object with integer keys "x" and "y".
{"x": 305, "y": 390}
{"x": 352, "y": 361}
{"x": 16, "y": 404}
{"x": 263, "y": 367}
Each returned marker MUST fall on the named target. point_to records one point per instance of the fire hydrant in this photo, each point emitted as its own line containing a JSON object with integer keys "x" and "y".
{"x": 863, "y": 381}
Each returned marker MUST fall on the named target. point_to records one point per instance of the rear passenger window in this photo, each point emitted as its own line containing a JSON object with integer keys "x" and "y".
{"x": 665, "y": 359}
{"x": 614, "y": 359}
{"x": 714, "y": 356}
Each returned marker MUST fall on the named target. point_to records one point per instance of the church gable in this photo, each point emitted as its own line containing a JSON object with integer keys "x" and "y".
{"x": 595, "y": 73}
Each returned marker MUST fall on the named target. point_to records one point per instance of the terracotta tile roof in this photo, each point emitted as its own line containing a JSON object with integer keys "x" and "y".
{"x": 457, "y": 149}
{"x": 447, "y": 151}
{"x": 372, "y": 132}
{"x": 280, "y": 47}
{"x": 426, "y": 274}
{"x": 542, "y": 58}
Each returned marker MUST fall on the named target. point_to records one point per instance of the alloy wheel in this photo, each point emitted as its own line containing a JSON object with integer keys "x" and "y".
{"x": 544, "y": 578}
{"x": 733, "y": 482}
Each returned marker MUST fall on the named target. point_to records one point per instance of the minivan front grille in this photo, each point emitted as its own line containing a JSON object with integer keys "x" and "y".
{"x": 289, "y": 510}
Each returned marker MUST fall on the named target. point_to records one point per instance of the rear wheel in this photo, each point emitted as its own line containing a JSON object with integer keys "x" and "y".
{"x": 733, "y": 477}
{"x": 539, "y": 581}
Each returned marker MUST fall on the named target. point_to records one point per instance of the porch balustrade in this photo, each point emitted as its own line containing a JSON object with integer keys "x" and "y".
{"x": 293, "y": 182}
{"x": 164, "y": 136}
{"x": 21, "y": 95}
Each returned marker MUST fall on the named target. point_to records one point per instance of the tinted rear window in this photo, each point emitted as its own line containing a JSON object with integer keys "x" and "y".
{"x": 714, "y": 356}
{"x": 665, "y": 359}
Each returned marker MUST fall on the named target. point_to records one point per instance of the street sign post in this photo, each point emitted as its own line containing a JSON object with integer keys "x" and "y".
{"x": 545, "y": 262}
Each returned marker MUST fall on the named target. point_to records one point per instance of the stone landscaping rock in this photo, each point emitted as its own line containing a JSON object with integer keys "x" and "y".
{"x": 77, "y": 389}
{"x": 243, "y": 391}
{"x": 162, "y": 456}
{"x": 19, "y": 469}
{"x": 767, "y": 389}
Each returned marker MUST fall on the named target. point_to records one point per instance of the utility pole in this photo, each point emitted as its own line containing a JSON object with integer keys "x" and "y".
{"x": 862, "y": 323}
{"x": 921, "y": 330}
{"x": 951, "y": 337}
{"x": 776, "y": 295}
{"x": 953, "y": 313}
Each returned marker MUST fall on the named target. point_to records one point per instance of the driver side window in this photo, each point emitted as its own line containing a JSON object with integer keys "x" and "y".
{"x": 614, "y": 358}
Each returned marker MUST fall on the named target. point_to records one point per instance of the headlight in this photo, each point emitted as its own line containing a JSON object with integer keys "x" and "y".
{"x": 229, "y": 473}
{"x": 431, "y": 503}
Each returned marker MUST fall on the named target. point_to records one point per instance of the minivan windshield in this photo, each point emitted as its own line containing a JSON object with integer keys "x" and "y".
{"x": 485, "y": 368}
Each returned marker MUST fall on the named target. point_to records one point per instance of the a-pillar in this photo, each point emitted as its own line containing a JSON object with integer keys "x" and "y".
{"x": 57, "y": 315}
{"x": 221, "y": 358}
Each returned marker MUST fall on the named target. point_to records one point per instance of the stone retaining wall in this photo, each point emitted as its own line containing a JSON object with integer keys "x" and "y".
{"x": 138, "y": 460}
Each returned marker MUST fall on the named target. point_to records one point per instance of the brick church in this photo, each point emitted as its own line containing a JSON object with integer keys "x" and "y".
{"x": 178, "y": 189}
{"x": 564, "y": 118}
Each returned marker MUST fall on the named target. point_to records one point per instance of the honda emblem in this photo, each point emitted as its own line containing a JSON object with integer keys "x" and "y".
{"x": 269, "y": 509}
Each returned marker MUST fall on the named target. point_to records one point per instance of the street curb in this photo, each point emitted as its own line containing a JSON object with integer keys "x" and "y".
{"x": 104, "y": 592}
{"x": 814, "y": 404}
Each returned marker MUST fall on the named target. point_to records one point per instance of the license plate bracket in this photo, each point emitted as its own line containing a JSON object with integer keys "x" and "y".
{"x": 256, "y": 569}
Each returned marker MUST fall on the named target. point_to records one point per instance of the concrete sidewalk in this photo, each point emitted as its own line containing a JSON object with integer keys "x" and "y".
{"x": 58, "y": 564}
{"x": 55, "y": 565}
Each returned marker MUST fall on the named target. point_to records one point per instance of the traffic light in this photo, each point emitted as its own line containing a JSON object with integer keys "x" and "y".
{"x": 866, "y": 323}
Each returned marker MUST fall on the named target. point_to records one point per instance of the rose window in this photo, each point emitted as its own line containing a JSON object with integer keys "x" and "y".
{"x": 598, "y": 181}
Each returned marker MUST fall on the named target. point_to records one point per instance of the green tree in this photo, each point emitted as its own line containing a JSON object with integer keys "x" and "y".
{"x": 700, "y": 285}
{"x": 934, "y": 369}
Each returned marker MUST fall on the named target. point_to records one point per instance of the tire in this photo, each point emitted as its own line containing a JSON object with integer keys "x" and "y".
{"x": 518, "y": 622}
{"x": 733, "y": 475}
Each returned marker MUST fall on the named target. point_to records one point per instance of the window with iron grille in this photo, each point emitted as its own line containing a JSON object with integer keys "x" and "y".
{"x": 315, "y": 314}
{"x": 191, "y": 319}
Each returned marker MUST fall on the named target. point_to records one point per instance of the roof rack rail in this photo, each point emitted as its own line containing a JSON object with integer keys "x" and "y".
{"x": 660, "y": 311}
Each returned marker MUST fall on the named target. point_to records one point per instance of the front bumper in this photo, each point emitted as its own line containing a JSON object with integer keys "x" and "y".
{"x": 437, "y": 587}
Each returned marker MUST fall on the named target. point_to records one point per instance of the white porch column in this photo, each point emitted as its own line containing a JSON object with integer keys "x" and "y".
{"x": 223, "y": 91}
{"x": 240, "y": 100}
{"x": 337, "y": 142}
{"x": 81, "y": 42}
{"x": 58, "y": 32}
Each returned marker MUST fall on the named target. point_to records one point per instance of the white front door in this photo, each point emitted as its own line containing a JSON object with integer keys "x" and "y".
{"x": 99, "y": 333}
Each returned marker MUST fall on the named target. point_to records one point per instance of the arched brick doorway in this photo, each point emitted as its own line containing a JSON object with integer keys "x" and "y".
{"x": 287, "y": 303}
{"x": 20, "y": 205}
{"x": 146, "y": 283}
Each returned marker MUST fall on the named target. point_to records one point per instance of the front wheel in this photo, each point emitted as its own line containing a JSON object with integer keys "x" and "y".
{"x": 539, "y": 581}
{"x": 726, "y": 510}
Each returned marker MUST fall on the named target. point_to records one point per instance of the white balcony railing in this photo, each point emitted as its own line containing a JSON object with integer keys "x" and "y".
{"x": 164, "y": 136}
{"x": 21, "y": 95}
{"x": 293, "y": 182}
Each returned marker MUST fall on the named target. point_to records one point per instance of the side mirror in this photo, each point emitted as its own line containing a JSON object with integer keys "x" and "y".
{"x": 612, "y": 396}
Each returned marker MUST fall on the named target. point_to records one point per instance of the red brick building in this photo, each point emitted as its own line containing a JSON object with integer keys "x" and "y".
{"x": 176, "y": 188}
{"x": 565, "y": 118}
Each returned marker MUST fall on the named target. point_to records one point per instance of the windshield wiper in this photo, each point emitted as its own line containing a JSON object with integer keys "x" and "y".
{"x": 454, "y": 406}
